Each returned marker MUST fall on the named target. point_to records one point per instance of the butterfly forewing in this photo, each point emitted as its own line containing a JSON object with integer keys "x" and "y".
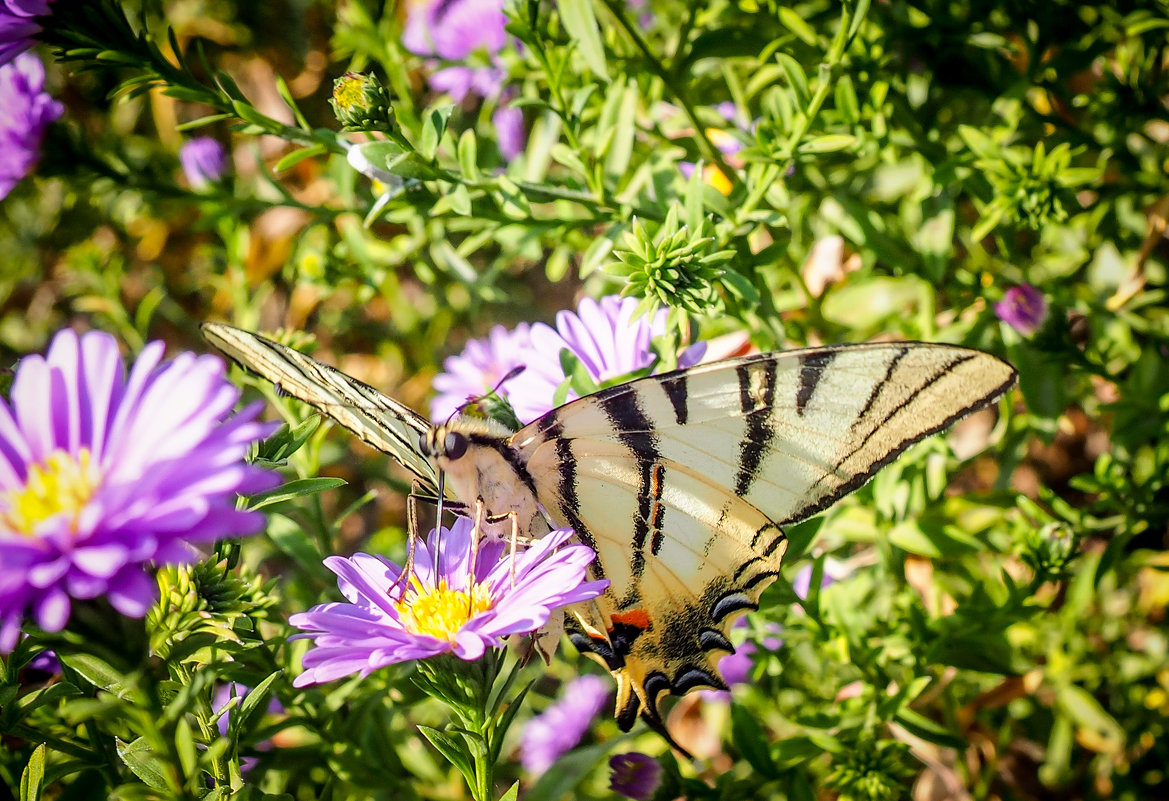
{"x": 379, "y": 421}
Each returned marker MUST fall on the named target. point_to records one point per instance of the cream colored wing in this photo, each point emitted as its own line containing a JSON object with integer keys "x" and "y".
{"x": 681, "y": 481}
{"x": 381, "y": 422}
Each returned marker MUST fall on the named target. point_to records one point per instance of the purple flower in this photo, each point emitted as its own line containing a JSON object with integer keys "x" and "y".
{"x": 101, "y": 473}
{"x": 601, "y": 335}
{"x": 204, "y": 161}
{"x": 481, "y": 365}
{"x": 18, "y": 26}
{"x": 559, "y": 727}
{"x": 462, "y": 608}
{"x": 27, "y": 112}
{"x": 604, "y": 338}
{"x": 1023, "y": 308}
{"x": 472, "y": 33}
{"x": 635, "y": 775}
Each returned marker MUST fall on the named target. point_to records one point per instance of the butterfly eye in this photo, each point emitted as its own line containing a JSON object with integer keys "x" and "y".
{"x": 424, "y": 443}
{"x": 455, "y": 445}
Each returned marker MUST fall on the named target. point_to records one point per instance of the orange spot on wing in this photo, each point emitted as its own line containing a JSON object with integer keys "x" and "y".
{"x": 634, "y": 617}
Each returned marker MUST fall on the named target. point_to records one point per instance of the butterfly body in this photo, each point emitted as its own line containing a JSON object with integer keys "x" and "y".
{"x": 680, "y": 482}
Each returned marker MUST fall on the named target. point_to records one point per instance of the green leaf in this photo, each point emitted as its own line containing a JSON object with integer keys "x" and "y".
{"x": 185, "y": 747}
{"x": 468, "y": 153}
{"x": 142, "y": 760}
{"x": 96, "y": 671}
{"x": 624, "y": 132}
{"x": 790, "y": 19}
{"x": 563, "y": 778}
{"x": 797, "y": 79}
{"x": 931, "y": 731}
{"x": 32, "y": 780}
{"x": 453, "y": 749}
{"x": 297, "y": 156}
{"x": 292, "y": 490}
{"x": 829, "y": 143}
{"x": 751, "y": 740}
{"x": 512, "y": 794}
{"x": 251, "y": 704}
{"x": 433, "y": 128}
{"x": 1088, "y": 714}
{"x": 580, "y": 23}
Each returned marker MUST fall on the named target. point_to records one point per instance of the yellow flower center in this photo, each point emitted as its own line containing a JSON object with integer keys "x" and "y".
{"x": 62, "y": 485}
{"x": 441, "y": 612}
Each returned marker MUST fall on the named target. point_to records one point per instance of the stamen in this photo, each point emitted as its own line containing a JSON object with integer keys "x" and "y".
{"x": 441, "y": 612}
{"x": 63, "y": 484}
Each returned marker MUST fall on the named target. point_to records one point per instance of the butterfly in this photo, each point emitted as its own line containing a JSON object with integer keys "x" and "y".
{"x": 681, "y": 482}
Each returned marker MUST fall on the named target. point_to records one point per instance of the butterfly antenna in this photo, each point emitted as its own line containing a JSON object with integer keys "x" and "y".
{"x": 473, "y": 399}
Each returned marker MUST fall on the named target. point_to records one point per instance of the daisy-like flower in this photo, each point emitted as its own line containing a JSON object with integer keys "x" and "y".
{"x": 604, "y": 338}
{"x": 101, "y": 473}
{"x": 465, "y": 31}
{"x": 635, "y": 775}
{"x": 18, "y": 26}
{"x": 479, "y": 368}
{"x": 1023, "y": 308}
{"x": 204, "y": 161}
{"x": 27, "y": 112}
{"x": 553, "y": 732}
{"x": 462, "y": 608}
{"x": 602, "y": 335}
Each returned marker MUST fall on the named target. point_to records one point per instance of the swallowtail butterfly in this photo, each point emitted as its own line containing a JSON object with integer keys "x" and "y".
{"x": 680, "y": 482}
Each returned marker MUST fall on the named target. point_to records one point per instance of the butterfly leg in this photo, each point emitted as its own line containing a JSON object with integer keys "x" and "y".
{"x": 413, "y": 532}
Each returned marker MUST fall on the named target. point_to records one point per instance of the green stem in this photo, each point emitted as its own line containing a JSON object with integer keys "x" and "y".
{"x": 709, "y": 152}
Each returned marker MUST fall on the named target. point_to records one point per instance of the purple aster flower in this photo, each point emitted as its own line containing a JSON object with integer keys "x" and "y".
{"x": 18, "y": 26}
{"x": 204, "y": 161}
{"x": 553, "y": 732}
{"x": 462, "y": 608}
{"x": 481, "y": 365}
{"x": 101, "y": 473}
{"x": 604, "y": 338}
{"x": 27, "y": 112}
{"x": 1023, "y": 308}
{"x": 602, "y": 335}
{"x": 635, "y": 775}
{"x": 470, "y": 33}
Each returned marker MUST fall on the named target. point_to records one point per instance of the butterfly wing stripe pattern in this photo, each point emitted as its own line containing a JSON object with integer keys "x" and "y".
{"x": 381, "y": 422}
{"x": 703, "y": 466}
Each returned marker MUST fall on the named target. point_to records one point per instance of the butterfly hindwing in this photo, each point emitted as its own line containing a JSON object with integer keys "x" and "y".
{"x": 681, "y": 481}
{"x": 379, "y": 421}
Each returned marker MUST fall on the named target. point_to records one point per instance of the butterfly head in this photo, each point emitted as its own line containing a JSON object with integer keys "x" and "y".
{"x": 479, "y": 463}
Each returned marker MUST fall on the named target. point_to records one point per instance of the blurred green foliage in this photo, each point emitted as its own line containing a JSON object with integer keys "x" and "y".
{"x": 998, "y": 629}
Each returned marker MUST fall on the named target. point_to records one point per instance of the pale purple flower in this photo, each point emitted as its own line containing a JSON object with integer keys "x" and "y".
{"x": 18, "y": 26}
{"x": 557, "y": 729}
{"x": 1023, "y": 308}
{"x": 25, "y": 112}
{"x": 101, "y": 473}
{"x": 602, "y": 335}
{"x": 604, "y": 338}
{"x": 635, "y": 775}
{"x": 467, "y": 35}
{"x": 462, "y": 608}
{"x": 204, "y": 161}
{"x": 479, "y": 368}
